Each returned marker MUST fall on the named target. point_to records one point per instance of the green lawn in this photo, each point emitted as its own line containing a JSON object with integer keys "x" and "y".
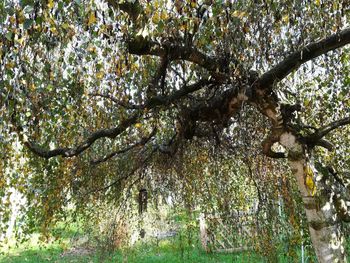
{"x": 73, "y": 247}
{"x": 168, "y": 251}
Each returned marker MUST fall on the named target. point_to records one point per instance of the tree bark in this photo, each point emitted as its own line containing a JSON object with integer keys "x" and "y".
{"x": 203, "y": 232}
{"x": 325, "y": 233}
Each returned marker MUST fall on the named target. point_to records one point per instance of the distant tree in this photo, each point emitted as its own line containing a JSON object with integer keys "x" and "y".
{"x": 93, "y": 82}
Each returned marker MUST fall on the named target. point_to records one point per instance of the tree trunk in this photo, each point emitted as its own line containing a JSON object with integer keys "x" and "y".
{"x": 324, "y": 230}
{"x": 203, "y": 232}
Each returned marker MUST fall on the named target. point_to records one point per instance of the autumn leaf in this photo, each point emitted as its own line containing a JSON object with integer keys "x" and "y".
{"x": 309, "y": 180}
{"x": 100, "y": 75}
{"x": 92, "y": 18}
{"x": 239, "y": 14}
{"x": 285, "y": 18}
{"x": 12, "y": 20}
{"x": 20, "y": 41}
{"x": 163, "y": 16}
{"x": 10, "y": 65}
{"x": 155, "y": 18}
{"x": 50, "y": 4}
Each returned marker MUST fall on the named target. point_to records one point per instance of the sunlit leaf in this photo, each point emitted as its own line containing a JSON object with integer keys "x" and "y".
{"x": 92, "y": 18}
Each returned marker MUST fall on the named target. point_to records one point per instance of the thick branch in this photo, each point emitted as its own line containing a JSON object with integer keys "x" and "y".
{"x": 309, "y": 52}
{"x": 317, "y": 137}
{"x": 142, "y": 46}
{"x": 218, "y": 110}
{"x": 114, "y": 132}
{"x": 332, "y": 126}
{"x": 166, "y": 100}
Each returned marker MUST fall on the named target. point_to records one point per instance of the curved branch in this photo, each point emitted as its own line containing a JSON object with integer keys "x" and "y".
{"x": 74, "y": 151}
{"x": 185, "y": 90}
{"x": 114, "y": 132}
{"x": 116, "y": 101}
{"x": 142, "y": 142}
{"x": 142, "y": 46}
{"x": 332, "y": 126}
{"x": 317, "y": 137}
{"x": 309, "y": 52}
{"x": 325, "y": 144}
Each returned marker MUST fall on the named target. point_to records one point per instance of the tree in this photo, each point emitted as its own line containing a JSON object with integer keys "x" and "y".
{"x": 82, "y": 78}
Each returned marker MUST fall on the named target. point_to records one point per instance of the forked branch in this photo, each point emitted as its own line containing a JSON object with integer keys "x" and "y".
{"x": 317, "y": 138}
{"x": 140, "y": 143}
{"x": 112, "y": 133}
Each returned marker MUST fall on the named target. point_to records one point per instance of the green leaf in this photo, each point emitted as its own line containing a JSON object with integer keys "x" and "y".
{"x": 24, "y": 3}
{"x": 28, "y": 9}
{"x": 9, "y": 36}
{"x": 27, "y": 24}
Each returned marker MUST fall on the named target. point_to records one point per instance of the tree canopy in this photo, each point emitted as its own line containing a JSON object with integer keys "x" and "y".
{"x": 92, "y": 92}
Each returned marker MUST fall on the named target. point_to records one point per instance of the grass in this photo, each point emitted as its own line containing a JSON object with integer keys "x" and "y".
{"x": 169, "y": 251}
{"x": 172, "y": 250}
{"x": 53, "y": 254}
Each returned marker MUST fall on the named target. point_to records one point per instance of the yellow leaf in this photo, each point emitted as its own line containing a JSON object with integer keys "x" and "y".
{"x": 318, "y": 2}
{"x": 155, "y": 18}
{"x": 65, "y": 26}
{"x": 239, "y": 14}
{"x": 100, "y": 74}
{"x": 20, "y": 41}
{"x": 21, "y": 17}
{"x": 183, "y": 27}
{"x": 309, "y": 180}
{"x": 54, "y": 30}
{"x": 50, "y": 4}
{"x": 285, "y": 18}
{"x": 12, "y": 20}
{"x": 163, "y": 16}
{"x": 138, "y": 125}
{"x": 92, "y": 18}
{"x": 10, "y": 65}
{"x": 91, "y": 49}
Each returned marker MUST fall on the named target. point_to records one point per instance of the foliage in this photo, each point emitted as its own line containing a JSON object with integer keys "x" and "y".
{"x": 99, "y": 99}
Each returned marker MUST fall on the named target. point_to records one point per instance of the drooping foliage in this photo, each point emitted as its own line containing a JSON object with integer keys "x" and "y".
{"x": 97, "y": 97}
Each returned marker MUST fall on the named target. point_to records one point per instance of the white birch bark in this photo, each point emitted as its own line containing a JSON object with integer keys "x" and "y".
{"x": 203, "y": 232}
{"x": 324, "y": 230}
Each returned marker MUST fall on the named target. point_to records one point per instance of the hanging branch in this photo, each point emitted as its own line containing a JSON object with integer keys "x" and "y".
{"x": 140, "y": 143}
{"x": 111, "y": 133}
{"x": 116, "y": 101}
{"x": 138, "y": 166}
